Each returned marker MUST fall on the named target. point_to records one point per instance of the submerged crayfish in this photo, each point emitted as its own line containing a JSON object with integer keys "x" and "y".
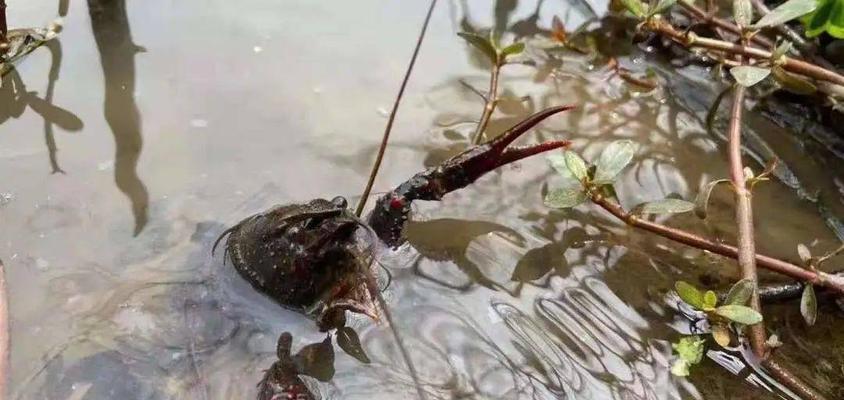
{"x": 308, "y": 256}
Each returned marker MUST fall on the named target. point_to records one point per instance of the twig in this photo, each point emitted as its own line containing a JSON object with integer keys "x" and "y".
{"x": 4, "y": 29}
{"x": 386, "y": 137}
{"x": 744, "y": 219}
{"x": 747, "y": 252}
{"x": 710, "y": 17}
{"x": 4, "y": 331}
{"x": 790, "y": 64}
{"x": 808, "y": 49}
{"x": 472, "y": 89}
{"x": 826, "y": 280}
{"x": 490, "y": 103}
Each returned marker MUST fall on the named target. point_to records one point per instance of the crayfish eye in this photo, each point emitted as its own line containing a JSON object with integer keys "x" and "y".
{"x": 340, "y": 202}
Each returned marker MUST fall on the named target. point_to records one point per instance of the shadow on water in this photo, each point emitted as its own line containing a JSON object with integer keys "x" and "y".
{"x": 110, "y": 25}
{"x": 15, "y": 99}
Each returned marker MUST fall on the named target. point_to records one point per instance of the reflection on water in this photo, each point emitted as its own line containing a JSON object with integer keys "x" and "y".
{"x": 110, "y": 24}
{"x": 15, "y": 99}
{"x": 496, "y": 297}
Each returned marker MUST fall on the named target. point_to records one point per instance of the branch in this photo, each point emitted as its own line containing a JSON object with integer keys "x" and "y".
{"x": 709, "y": 17}
{"x": 790, "y": 64}
{"x": 744, "y": 220}
{"x": 386, "y": 136}
{"x": 4, "y": 29}
{"x": 490, "y": 103}
{"x": 747, "y": 253}
{"x": 4, "y": 330}
{"x": 832, "y": 282}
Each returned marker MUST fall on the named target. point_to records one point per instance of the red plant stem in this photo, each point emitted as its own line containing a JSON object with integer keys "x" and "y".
{"x": 790, "y": 64}
{"x": 704, "y": 16}
{"x": 744, "y": 219}
{"x": 829, "y": 281}
{"x": 4, "y": 29}
{"x": 4, "y": 332}
{"x": 385, "y": 138}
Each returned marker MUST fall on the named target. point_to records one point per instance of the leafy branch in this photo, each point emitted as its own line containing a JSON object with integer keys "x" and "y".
{"x": 498, "y": 56}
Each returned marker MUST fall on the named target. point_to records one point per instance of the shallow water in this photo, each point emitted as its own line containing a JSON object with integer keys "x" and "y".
{"x": 175, "y": 121}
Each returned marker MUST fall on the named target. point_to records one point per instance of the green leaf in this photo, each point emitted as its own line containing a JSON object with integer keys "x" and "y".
{"x": 792, "y": 82}
{"x": 690, "y": 349}
{"x": 349, "y": 341}
{"x": 567, "y": 197}
{"x": 781, "y": 50}
{"x": 613, "y": 159}
{"x": 713, "y": 110}
{"x": 710, "y": 300}
{"x": 576, "y": 165}
{"x": 680, "y": 367}
{"x": 809, "y": 305}
{"x": 741, "y": 314}
{"x": 829, "y": 18}
{"x": 689, "y": 294}
{"x": 804, "y": 253}
{"x": 742, "y": 12}
{"x": 721, "y": 334}
{"x": 665, "y": 206}
{"x": 702, "y": 199}
{"x": 740, "y": 293}
{"x": 661, "y": 6}
{"x": 785, "y": 12}
{"x": 747, "y": 75}
{"x": 636, "y": 7}
{"x": 513, "y": 49}
{"x": 558, "y": 162}
{"x": 481, "y": 43}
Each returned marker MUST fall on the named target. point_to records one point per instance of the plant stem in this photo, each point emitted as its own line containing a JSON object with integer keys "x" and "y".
{"x": 829, "y": 281}
{"x": 709, "y": 17}
{"x": 4, "y": 29}
{"x": 4, "y": 330}
{"x": 747, "y": 251}
{"x": 790, "y": 64}
{"x": 386, "y": 137}
{"x": 806, "y": 48}
{"x": 491, "y": 102}
{"x": 744, "y": 219}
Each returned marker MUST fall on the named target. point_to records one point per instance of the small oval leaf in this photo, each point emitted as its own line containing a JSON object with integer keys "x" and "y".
{"x": 809, "y": 305}
{"x": 804, "y": 253}
{"x": 481, "y": 43}
{"x": 748, "y": 75}
{"x": 702, "y": 199}
{"x": 741, "y": 314}
{"x": 666, "y": 206}
{"x": 613, "y": 159}
{"x": 740, "y": 293}
{"x": 710, "y": 300}
{"x": 742, "y": 12}
{"x": 785, "y": 12}
{"x": 690, "y": 349}
{"x": 558, "y": 162}
{"x": 689, "y": 294}
{"x": 349, "y": 341}
{"x": 792, "y": 82}
{"x": 721, "y": 334}
{"x": 781, "y": 50}
{"x": 567, "y": 197}
{"x": 635, "y": 7}
{"x": 576, "y": 165}
{"x": 513, "y": 49}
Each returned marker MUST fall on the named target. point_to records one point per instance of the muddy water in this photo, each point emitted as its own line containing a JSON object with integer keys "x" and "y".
{"x": 172, "y": 121}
